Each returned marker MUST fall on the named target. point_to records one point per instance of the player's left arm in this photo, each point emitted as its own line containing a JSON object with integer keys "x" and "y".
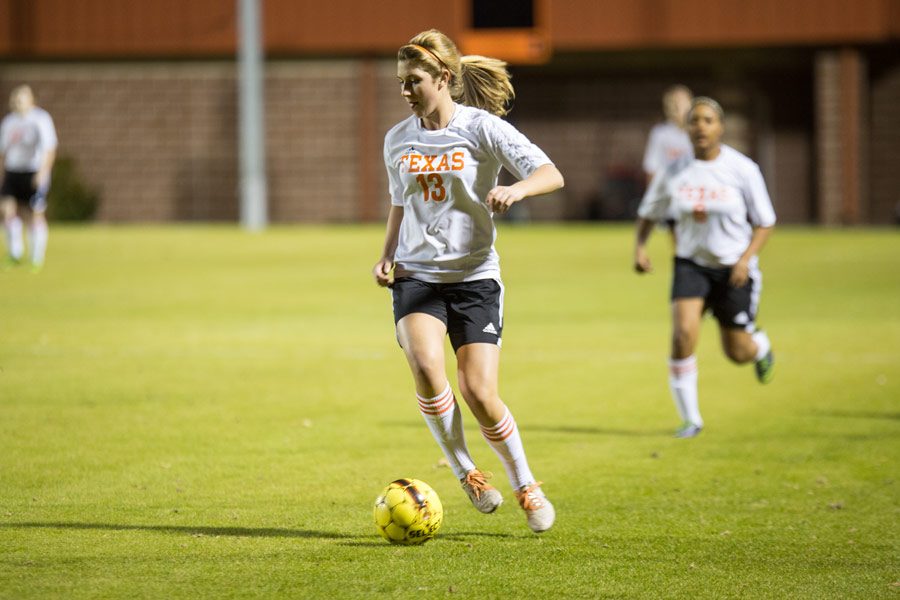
{"x": 762, "y": 217}
{"x": 740, "y": 272}
{"x": 49, "y": 142}
{"x": 543, "y": 180}
{"x": 42, "y": 177}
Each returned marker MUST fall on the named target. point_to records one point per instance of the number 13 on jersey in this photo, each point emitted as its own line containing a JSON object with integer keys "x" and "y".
{"x": 432, "y": 186}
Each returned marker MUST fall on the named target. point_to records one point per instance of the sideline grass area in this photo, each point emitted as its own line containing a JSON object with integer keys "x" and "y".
{"x": 200, "y": 412}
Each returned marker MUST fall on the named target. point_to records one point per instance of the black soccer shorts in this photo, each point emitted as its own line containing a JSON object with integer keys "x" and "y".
{"x": 471, "y": 310}
{"x": 734, "y": 307}
{"x": 20, "y": 185}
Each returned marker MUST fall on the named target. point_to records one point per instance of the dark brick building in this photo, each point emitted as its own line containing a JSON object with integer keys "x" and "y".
{"x": 145, "y": 98}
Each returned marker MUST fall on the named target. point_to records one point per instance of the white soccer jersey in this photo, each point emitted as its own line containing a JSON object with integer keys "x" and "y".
{"x": 716, "y": 204}
{"x": 25, "y": 139}
{"x": 441, "y": 179}
{"x": 666, "y": 144}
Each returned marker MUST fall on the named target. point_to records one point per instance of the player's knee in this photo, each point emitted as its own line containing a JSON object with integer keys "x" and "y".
{"x": 427, "y": 365}
{"x": 477, "y": 390}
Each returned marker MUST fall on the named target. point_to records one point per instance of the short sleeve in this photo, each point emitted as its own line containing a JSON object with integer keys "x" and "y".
{"x": 395, "y": 189}
{"x": 652, "y": 163}
{"x": 516, "y": 153}
{"x": 759, "y": 205}
{"x": 49, "y": 140}
{"x": 4, "y": 135}
{"x": 655, "y": 203}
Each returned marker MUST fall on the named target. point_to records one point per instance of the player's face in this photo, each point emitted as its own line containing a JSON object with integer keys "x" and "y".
{"x": 21, "y": 100}
{"x": 419, "y": 88}
{"x": 705, "y": 128}
{"x": 681, "y": 104}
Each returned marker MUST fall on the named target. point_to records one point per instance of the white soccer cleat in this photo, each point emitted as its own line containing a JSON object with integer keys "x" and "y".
{"x": 688, "y": 430}
{"x": 537, "y": 507}
{"x": 484, "y": 497}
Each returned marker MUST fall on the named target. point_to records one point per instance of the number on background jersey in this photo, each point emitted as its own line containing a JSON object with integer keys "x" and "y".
{"x": 437, "y": 192}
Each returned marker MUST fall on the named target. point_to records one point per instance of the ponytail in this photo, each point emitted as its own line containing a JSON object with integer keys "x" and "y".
{"x": 486, "y": 84}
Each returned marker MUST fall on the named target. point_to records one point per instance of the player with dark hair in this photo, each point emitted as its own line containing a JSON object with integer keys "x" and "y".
{"x": 723, "y": 218}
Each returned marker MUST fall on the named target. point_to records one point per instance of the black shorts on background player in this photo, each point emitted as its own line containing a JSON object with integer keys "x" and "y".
{"x": 20, "y": 186}
{"x": 471, "y": 310}
{"x": 732, "y": 306}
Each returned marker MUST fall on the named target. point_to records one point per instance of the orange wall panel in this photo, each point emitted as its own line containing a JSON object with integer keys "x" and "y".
{"x": 352, "y": 26}
{"x": 104, "y": 28}
{"x": 190, "y": 28}
{"x": 606, "y": 24}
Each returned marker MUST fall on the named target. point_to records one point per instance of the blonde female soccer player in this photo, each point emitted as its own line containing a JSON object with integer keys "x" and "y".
{"x": 439, "y": 258}
{"x": 723, "y": 218}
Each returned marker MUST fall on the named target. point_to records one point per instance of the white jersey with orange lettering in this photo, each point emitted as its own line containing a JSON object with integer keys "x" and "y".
{"x": 25, "y": 139}
{"x": 716, "y": 204}
{"x": 441, "y": 179}
{"x": 667, "y": 143}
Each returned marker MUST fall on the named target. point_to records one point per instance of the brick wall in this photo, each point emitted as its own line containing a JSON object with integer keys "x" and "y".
{"x": 156, "y": 140}
{"x": 885, "y": 147}
{"x": 159, "y": 139}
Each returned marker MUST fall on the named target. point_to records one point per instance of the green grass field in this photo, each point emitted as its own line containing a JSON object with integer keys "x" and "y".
{"x": 200, "y": 412}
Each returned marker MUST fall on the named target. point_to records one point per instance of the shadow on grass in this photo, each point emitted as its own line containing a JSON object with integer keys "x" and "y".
{"x": 573, "y": 429}
{"x": 858, "y": 414}
{"x": 463, "y": 536}
{"x": 186, "y": 530}
{"x": 567, "y": 429}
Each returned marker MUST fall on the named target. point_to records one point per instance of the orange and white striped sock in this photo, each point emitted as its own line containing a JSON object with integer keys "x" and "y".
{"x": 504, "y": 438}
{"x": 683, "y": 385}
{"x": 444, "y": 419}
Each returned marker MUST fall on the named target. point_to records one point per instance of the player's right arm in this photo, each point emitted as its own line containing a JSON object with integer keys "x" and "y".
{"x": 382, "y": 269}
{"x": 641, "y": 258}
{"x": 653, "y": 208}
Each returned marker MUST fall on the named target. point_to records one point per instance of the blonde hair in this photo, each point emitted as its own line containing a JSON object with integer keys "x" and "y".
{"x": 477, "y": 81}
{"x": 670, "y": 101}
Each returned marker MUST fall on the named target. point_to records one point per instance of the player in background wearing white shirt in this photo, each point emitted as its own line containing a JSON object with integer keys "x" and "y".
{"x": 723, "y": 218}
{"x": 669, "y": 141}
{"x": 439, "y": 258}
{"x": 28, "y": 147}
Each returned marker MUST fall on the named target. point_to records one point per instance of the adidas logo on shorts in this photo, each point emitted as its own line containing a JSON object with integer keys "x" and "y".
{"x": 490, "y": 329}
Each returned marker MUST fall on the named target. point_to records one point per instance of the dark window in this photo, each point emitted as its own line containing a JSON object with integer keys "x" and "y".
{"x": 501, "y": 14}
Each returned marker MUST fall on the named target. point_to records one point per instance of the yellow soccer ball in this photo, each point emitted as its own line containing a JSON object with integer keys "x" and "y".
{"x": 408, "y": 511}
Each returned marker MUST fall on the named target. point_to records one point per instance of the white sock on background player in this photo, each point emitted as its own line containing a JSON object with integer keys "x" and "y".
{"x": 763, "y": 344}
{"x": 445, "y": 422}
{"x": 683, "y": 384}
{"x": 14, "y": 240}
{"x": 39, "y": 234}
{"x": 504, "y": 438}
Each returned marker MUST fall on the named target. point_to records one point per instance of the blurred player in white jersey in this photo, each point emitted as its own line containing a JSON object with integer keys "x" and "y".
{"x": 669, "y": 141}
{"x": 28, "y": 145}
{"x": 439, "y": 258}
{"x": 723, "y": 218}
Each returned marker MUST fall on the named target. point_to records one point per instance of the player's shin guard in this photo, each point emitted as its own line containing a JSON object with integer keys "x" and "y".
{"x": 444, "y": 419}
{"x": 14, "y": 240}
{"x": 39, "y": 234}
{"x": 683, "y": 385}
{"x": 504, "y": 438}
